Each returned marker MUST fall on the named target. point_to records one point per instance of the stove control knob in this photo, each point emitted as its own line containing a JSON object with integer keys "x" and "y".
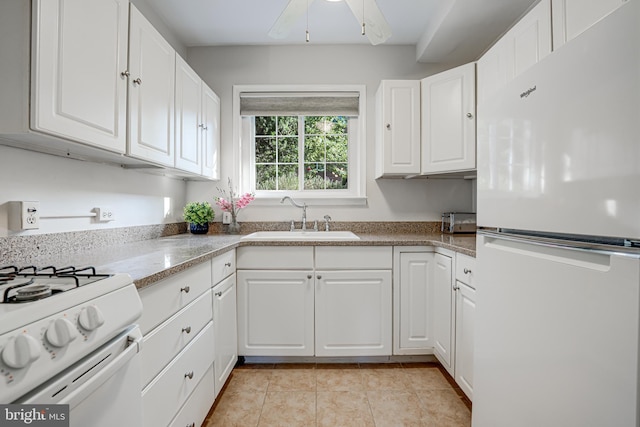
{"x": 91, "y": 318}
{"x": 61, "y": 332}
{"x": 20, "y": 351}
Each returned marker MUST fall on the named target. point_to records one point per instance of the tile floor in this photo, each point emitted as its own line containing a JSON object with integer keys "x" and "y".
{"x": 340, "y": 395}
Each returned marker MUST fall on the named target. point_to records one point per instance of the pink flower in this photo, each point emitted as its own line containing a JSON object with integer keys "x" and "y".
{"x": 231, "y": 205}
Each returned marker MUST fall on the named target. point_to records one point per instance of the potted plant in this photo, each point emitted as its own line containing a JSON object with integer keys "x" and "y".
{"x": 198, "y": 215}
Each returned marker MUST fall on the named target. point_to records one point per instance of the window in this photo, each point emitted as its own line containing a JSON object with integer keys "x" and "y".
{"x": 306, "y": 142}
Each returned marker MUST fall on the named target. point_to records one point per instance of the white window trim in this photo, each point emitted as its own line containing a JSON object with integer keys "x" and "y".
{"x": 242, "y": 173}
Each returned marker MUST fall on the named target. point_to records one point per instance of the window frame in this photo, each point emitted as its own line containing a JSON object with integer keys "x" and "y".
{"x": 244, "y": 150}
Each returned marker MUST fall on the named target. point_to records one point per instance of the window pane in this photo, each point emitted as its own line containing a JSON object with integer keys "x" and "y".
{"x": 265, "y": 150}
{"x": 288, "y": 177}
{"x": 337, "y": 176}
{"x": 339, "y": 125}
{"x": 288, "y": 150}
{"x": 265, "y": 177}
{"x": 337, "y": 148}
{"x": 288, "y": 125}
{"x": 314, "y": 149}
{"x": 314, "y": 176}
{"x": 265, "y": 125}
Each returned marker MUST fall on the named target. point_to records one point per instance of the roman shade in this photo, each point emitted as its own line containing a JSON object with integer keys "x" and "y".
{"x": 299, "y": 103}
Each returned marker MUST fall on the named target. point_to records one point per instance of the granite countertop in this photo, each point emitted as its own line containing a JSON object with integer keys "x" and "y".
{"x": 148, "y": 261}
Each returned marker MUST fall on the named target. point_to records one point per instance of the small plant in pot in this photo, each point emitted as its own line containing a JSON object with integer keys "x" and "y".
{"x": 198, "y": 215}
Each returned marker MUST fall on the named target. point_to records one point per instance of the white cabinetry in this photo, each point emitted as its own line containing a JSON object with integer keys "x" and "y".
{"x": 353, "y": 307}
{"x": 398, "y": 128}
{"x": 275, "y": 301}
{"x": 347, "y": 314}
{"x": 196, "y": 123}
{"x": 573, "y": 17}
{"x": 465, "y": 321}
{"x": 443, "y": 309}
{"x": 224, "y": 318}
{"x": 448, "y": 121}
{"x": 413, "y": 298}
{"x": 178, "y": 348}
{"x": 526, "y": 43}
{"x": 151, "y": 92}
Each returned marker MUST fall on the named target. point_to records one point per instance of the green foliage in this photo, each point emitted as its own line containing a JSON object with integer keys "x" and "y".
{"x": 198, "y": 213}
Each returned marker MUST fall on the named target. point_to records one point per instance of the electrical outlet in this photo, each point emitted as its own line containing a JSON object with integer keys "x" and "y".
{"x": 104, "y": 214}
{"x": 24, "y": 215}
{"x": 226, "y": 217}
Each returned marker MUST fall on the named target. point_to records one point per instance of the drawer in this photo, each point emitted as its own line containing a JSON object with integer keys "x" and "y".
{"x": 166, "y": 394}
{"x": 275, "y": 257}
{"x": 197, "y": 407}
{"x": 167, "y": 340}
{"x": 465, "y": 269}
{"x": 165, "y": 298}
{"x": 354, "y": 257}
{"x": 222, "y": 266}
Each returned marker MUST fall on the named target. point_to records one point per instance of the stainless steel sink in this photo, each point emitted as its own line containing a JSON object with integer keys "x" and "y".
{"x": 301, "y": 235}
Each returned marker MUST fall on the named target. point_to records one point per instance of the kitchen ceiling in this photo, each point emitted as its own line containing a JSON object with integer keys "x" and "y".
{"x": 441, "y": 30}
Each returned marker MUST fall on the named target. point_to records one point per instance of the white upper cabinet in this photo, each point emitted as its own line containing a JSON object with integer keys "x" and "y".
{"x": 151, "y": 93}
{"x": 188, "y": 123}
{"x": 573, "y": 17}
{"x": 80, "y": 51}
{"x": 398, "y": 128}
{"x": 210, "y": 133}
{"x": 526, "y": 43}
{"x": 448, "y": 121}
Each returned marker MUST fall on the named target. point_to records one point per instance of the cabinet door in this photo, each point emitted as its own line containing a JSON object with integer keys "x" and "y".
{"x": 210, "y": 120}
{"x": 448, "y": 121}
{"x": 353, "y": 313}
{"x": 443, "y": 311}
{"x": 275, "y": 313}
{"x": 398, "y": 128}
{"x": 465, "y": 320}
{"x": 80, "y": 51}
{"x": 225, "y": 330}
{"x": 187, "y": 122}
{"x": 151, "y": 93}
{"x": 573, "y": 17}
{"x": 413, "y": 292}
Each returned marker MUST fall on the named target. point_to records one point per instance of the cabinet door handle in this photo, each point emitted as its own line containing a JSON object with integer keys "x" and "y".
{"x": 186, "y": 289}
{"x": 309, "y": 276}
{"x": 191, "y": 425}
{"x": 466, "y": 271}
{"x": 227, "y": 264}
{"x": 187, "y": 329}
{"x": 456, "y": 287}
{"x": 189, "y": 375}
{"x": 137, "y": 81}
{"x": 388, "y": 126}
{"x": 218, "y": 294}
{"x": 318, "y": 277}
{"x": 125, "y": 73}
{"x": 469, "y": 115}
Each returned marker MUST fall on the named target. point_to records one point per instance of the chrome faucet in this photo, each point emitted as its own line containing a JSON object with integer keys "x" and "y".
{"x": 302, "y": 206}
{"x": 327, "y": 218}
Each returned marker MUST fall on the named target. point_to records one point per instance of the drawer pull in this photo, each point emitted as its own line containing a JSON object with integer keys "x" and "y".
{"x": 186, "y": 289}
{"x": 189, "y": 375}
{"x": 227, "y": 264}
{"x": 218, "y": 294}
{"x": 309, "y": 276}
{"x": 191, "y": 425}
{"x": 187, "y": 329}
{"x": 318, "y": 277}
{"x": 467, "y": 271}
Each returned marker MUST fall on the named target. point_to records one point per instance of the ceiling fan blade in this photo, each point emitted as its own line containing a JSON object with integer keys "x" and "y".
{"x": 377, "y": 28}
{"x": 287, "y": 19}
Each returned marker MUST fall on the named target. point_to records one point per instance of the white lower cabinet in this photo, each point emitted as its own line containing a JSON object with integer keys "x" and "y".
{"x": 465, "y": 321}
{"x": 443, "y": 311}
{"x": 194, "y": 412}
{"x": 225, "y": 330}
{"x": 353, "y": 313}
{"x": 275, "y": 312}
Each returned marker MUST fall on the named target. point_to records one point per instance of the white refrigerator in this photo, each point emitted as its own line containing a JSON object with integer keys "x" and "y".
{"x": 558, "y": 301}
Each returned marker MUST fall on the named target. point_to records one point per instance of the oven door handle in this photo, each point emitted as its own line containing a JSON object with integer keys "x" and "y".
{"x": 73, "y": 387}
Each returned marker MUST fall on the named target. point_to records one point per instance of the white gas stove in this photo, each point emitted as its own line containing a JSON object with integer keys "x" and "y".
{"x": 51, "y": 319}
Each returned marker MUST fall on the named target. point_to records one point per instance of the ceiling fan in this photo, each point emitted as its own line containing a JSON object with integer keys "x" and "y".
{"x": 374, "y": 25}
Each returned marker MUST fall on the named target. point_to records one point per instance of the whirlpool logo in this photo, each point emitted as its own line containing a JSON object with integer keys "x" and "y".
{"x": 34, "y": 415}
{"x": 528, "y": 92}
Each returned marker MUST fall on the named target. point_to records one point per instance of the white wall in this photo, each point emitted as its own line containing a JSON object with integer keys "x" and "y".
{"x": 71, "y": 187}
{"x": 388, "y": 200}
